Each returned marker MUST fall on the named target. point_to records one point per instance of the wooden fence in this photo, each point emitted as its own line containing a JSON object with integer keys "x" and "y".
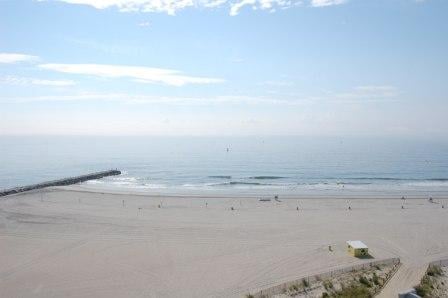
{"x": 281, "y": 288}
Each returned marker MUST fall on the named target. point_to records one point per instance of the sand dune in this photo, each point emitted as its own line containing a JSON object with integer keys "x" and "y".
{"x": 68, "y": 243}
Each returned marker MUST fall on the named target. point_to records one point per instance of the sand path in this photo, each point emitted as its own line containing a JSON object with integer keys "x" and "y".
{"x": 405, "y": 278}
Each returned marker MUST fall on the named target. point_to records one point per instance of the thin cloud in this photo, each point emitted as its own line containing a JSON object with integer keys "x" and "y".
{"x": 269, "y": 5}
{"x": 277, "y": 83}
{"x": 149, "y": 99}
{"x": 144, "y": 24}
{"x": 321, "y": 3}
{"x": 137, "y": 73}
{"x": 167, "y": 6}
{"x": 362, "y": 94}
{"x": 236, "y": 7}
{"x": 171, "y": 7}
{"x": 375, "y": 93}
{"x": 12, "y": 80}
{"x": 10, "y": 58}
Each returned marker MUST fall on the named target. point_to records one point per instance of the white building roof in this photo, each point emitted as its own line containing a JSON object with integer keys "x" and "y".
{"x": 356, "y": 244}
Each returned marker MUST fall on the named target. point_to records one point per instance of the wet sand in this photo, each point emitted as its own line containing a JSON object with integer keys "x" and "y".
{"x": 63, "y": 242}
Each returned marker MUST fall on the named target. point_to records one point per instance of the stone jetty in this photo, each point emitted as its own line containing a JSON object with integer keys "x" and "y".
{"x": 60, "y": 182}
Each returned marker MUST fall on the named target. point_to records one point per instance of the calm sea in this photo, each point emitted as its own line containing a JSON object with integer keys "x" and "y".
{"x": 226, "y": 164}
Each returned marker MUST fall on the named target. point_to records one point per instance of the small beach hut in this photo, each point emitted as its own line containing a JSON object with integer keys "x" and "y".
{"x": 357, "y": 248}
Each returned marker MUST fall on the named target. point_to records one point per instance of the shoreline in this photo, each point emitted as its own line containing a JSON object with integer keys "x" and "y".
{"x": 200, "y": 194}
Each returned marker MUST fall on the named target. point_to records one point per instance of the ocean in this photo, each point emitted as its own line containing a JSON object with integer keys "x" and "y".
{"x": 347, "y": 166}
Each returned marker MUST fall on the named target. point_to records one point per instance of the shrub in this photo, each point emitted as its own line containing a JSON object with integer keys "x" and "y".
{"x": 364, "y": 281}
{"x": 375, "y": 279}
{"x": 293, "y": 288}
{"x": 354, "y": 291}
{"x": 305, "y": 283}
{"x": 425, "y": 287}
{"x": 328, "y": 285}
{"x": 434, "y": 271}
{"x": 421, "y": 291}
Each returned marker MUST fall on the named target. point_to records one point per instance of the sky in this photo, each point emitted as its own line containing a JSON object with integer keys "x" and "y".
{"x": 224, "y": 67}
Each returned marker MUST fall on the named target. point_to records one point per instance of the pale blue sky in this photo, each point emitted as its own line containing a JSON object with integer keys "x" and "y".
{"x": 210, "y": 67}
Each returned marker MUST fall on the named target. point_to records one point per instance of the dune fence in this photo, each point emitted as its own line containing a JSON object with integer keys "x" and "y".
{"x": 281, "y": 288}
{"x": 439, "y": 263}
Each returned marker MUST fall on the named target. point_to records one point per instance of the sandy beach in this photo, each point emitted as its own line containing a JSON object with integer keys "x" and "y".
{"x": 71, "y": 242}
